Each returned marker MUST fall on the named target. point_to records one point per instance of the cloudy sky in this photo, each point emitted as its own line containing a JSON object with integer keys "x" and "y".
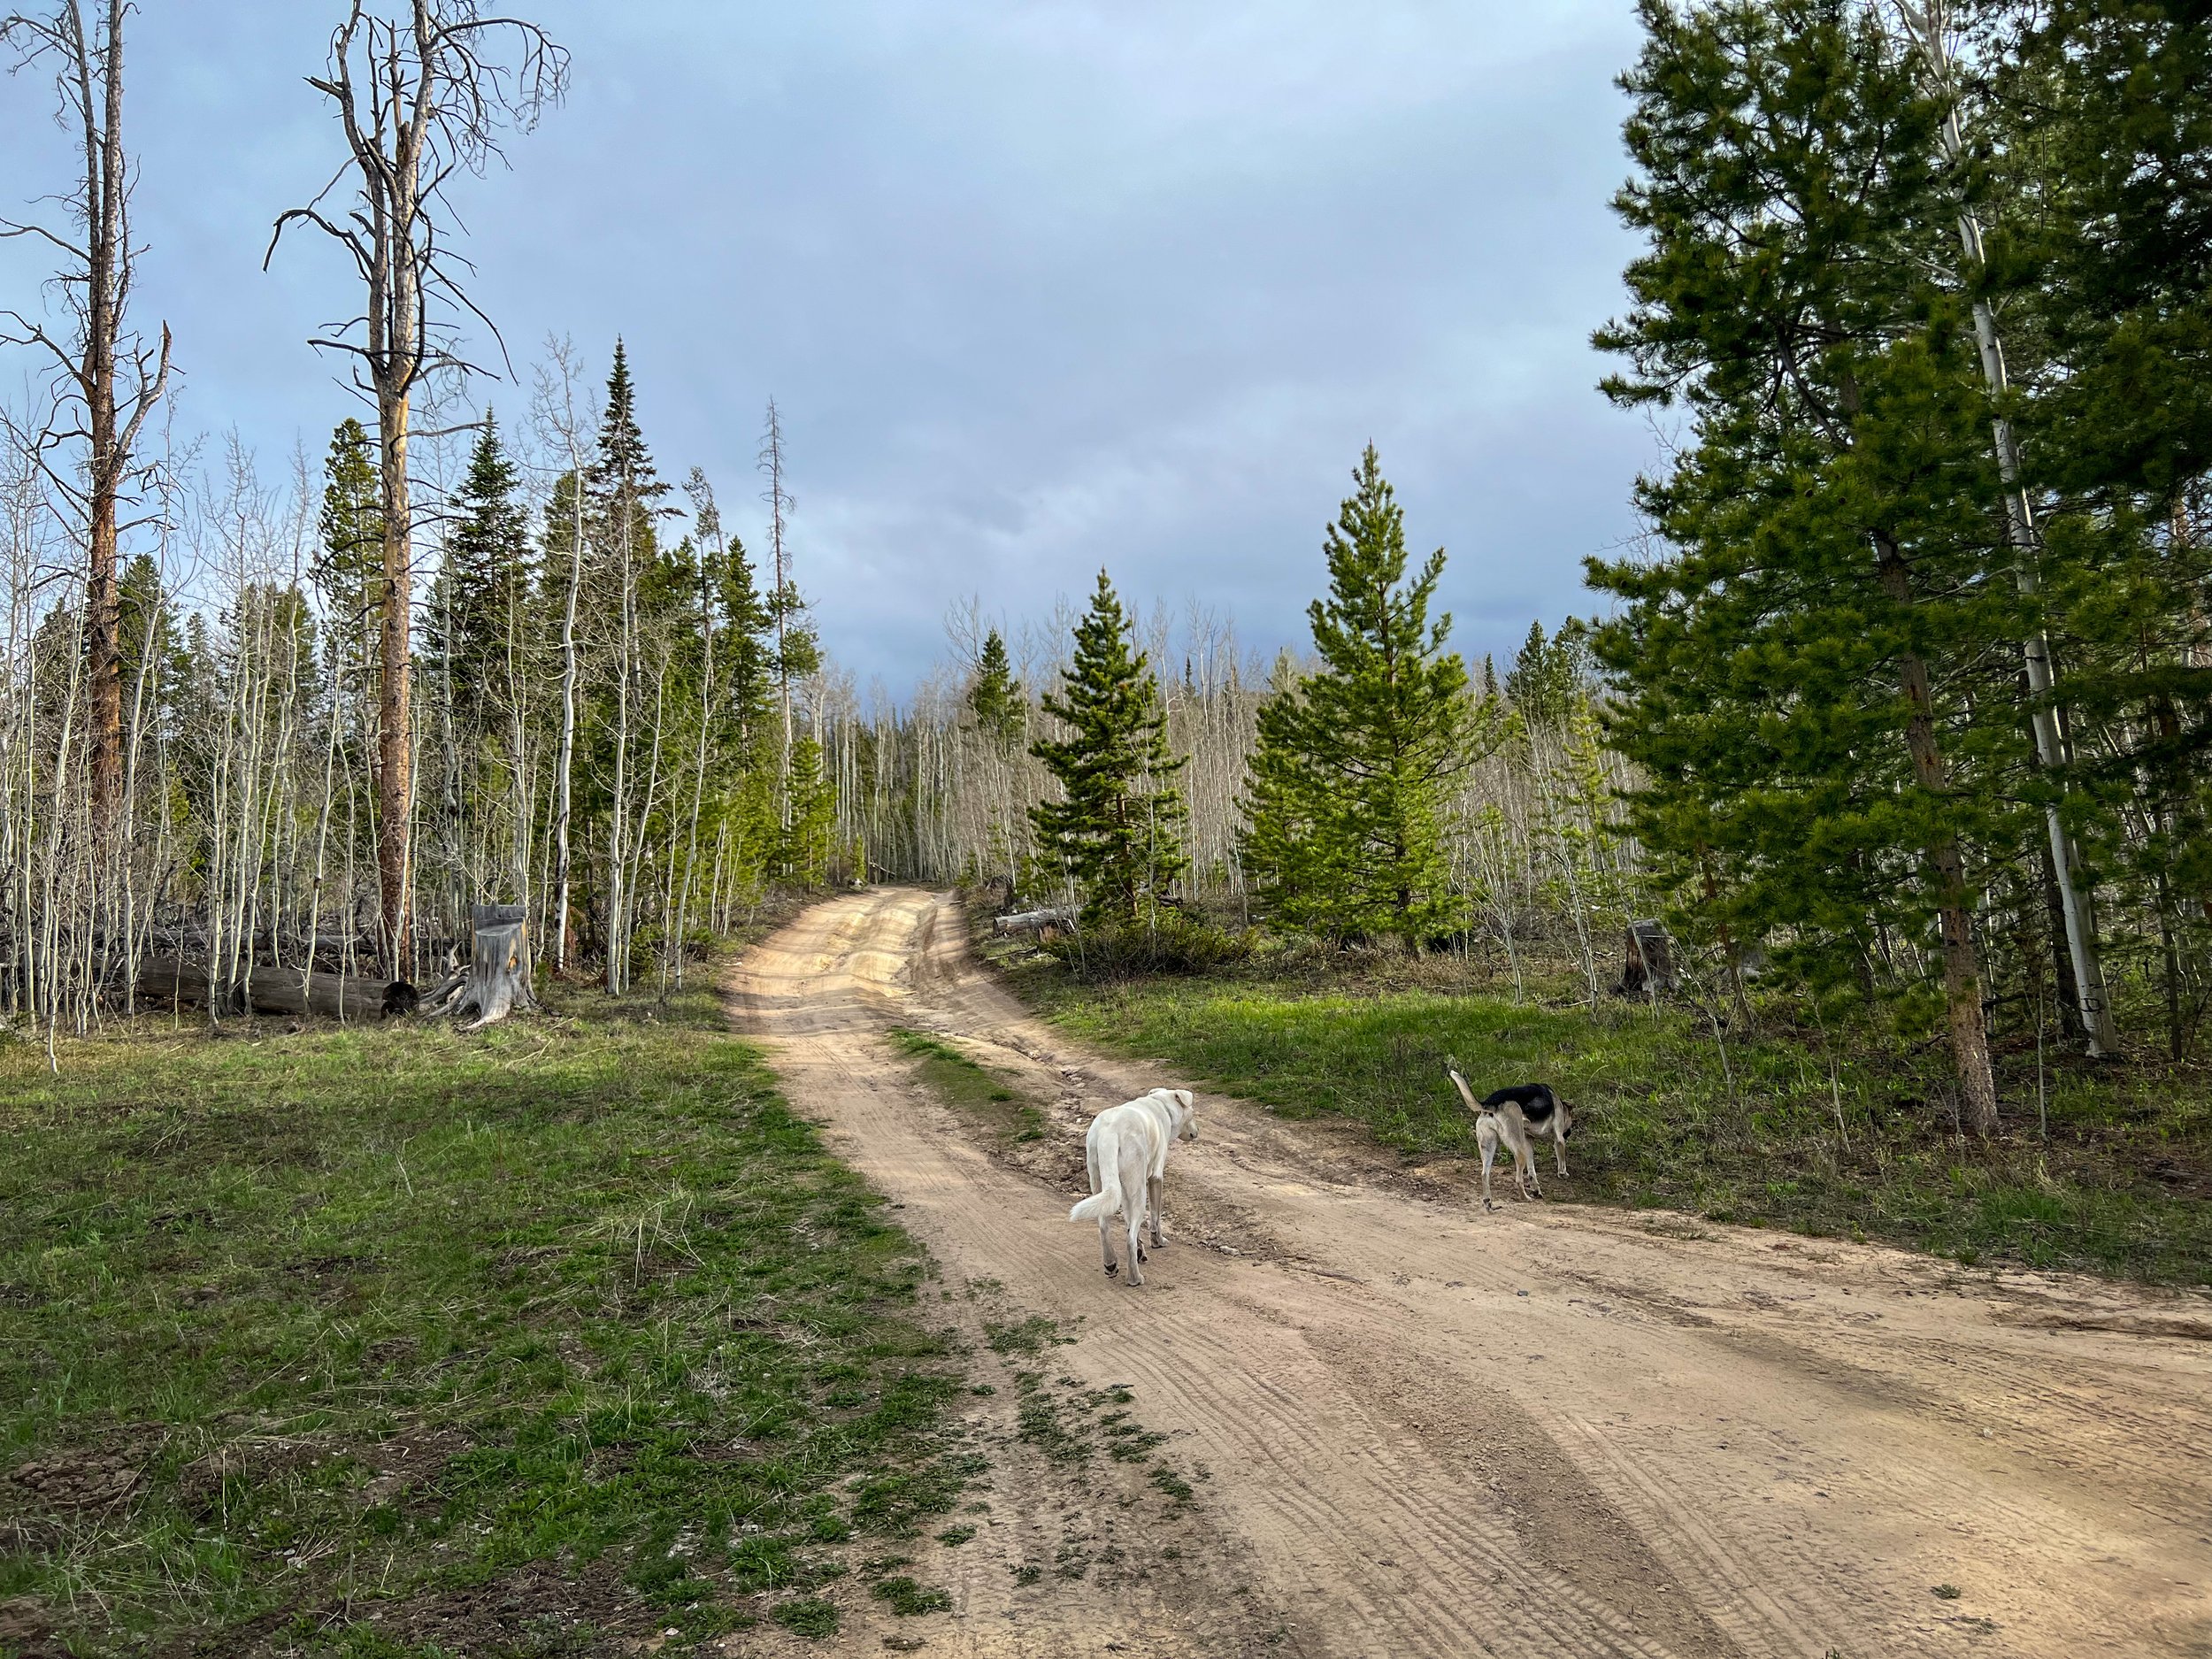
{"x": 1040, "y": 285}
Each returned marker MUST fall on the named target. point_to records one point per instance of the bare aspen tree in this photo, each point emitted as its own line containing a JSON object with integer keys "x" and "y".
{"x": 779, "y": 506}
{"x": 107, "y": 380}
{"x": 712, "y": 550}
{"x": 419, "y": 98}
{"x": 1928, "y": 26}
{"x": 565, "y": 423}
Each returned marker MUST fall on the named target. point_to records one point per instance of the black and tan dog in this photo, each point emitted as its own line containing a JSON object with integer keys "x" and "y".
{"x": 1509, "y": 1115}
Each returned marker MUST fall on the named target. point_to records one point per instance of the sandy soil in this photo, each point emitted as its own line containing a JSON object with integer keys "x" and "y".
{"x": 1417, "y": 1429}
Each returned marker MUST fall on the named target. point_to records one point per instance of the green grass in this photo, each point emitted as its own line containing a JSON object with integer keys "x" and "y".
{"x": 2117, "y": 1185}
{"x": 389, "y": 1342}
{"x": 983, "y": 1097}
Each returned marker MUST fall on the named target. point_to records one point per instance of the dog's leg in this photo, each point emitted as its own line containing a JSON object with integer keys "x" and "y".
{"x": 1106, "y": 1245}
{"x": 1486, "y": 1138}
{"x": 1559, "y": 1147}
{"x": 1136, "y": 1250}
{"x": 1153, "y": 1187}
{"x": 1524, "y": 1159}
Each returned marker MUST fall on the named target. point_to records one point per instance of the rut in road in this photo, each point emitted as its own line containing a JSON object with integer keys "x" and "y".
{"x": 1553, "y": 1431}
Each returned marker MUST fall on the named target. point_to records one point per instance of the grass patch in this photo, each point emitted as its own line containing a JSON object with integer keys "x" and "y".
{"x": 1025, "y": 1336}
{"x": 908, "y": 1597}
{"x": 1041, "y": 1420}
{"x": 970, "y": 1090}
{"x": 2117, "y": 1185}
{"x": 809, "y": 1615}
{"x": 324, "y": 1341}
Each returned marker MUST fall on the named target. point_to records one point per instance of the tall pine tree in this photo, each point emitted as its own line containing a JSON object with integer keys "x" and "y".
{"x": 1818, "y": 672}
{"x": 1346, "y": 795}
{"x": 1116, "y": 829}
{"x": 348, "y": 563}
{"x": 477, "y": 623}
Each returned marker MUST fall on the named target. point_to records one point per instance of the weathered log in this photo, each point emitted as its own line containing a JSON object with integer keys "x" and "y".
{"x": 498, "y": 978}
{"x": 266, "y": 990}
{"x": 1648, "y": 967}
{"x": 1032, "y": 921}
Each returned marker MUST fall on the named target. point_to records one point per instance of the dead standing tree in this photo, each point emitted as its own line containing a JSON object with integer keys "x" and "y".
{"x": 420, "y": 98}
{"x": 107, "y": 380}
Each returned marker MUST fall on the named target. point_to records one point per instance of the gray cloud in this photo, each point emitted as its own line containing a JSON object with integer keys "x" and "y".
{"x": 1039, "y": 287}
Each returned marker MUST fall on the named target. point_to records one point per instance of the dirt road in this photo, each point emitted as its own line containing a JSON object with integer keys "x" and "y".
{"x": 1552, "y": 1431}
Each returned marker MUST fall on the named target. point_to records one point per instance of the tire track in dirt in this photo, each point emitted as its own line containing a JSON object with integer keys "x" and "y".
{"x": 1550, "y": 1430}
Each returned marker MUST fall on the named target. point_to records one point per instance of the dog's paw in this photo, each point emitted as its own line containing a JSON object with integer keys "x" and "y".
{"x": 1112, "y": 1268}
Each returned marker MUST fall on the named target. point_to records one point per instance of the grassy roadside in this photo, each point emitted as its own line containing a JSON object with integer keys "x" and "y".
{"x": 393, "y": 1342}
{"x": 1771, "y": 1136}
{"x": 988, "y": 1100}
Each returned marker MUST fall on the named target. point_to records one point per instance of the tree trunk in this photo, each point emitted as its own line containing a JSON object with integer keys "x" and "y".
{"x": 498, "y": 979}
{"x": 1929, "y": 25}
{"x": 395, "y": 777}
{"x": 264, "y": 990}
{"x": 1962, "y": 968}
{"x": 564, "y": 768}
{"x": 1648, "y": 961}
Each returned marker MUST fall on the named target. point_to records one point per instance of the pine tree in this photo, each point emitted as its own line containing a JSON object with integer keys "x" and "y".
{"x": 349, "y": 562}
{"x": 1545, "y": 679}
{"x": 621, "y": 489}
{"x": 995, "y": 697}
{"x": 151, "y": 653}
{"x": 810, "y": 839}
{"x": 1000, "y": 712}
{"x": 2103, "y": 264}
{"x": 746, "y": 654}
{"x": 1818, "y": 673}
{"x": 476, "y": 620}
{"x": 1116, "y": 829}
{"x": 623, "y": 484}
{"x": 1346, "y": 795}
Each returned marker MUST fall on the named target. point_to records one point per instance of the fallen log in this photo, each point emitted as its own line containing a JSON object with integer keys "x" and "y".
{"x": 1032, "y": 921}
{"x": 264, "y": 990}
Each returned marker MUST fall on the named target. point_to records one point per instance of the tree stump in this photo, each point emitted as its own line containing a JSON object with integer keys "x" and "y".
{"x": 498, "y": 979}
{"x": 1648, "y": 967}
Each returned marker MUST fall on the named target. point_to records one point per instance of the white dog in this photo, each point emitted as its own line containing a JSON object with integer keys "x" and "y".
{"x": 1127, "y": 1149}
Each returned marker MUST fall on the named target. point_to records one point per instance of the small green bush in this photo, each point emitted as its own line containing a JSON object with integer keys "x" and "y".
{"x": 1171, "y": 943}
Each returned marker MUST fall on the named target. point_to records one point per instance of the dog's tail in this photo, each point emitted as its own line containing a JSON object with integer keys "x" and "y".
{"x": 1106, "y": 1201}
{"x": 1465, "y": 1094}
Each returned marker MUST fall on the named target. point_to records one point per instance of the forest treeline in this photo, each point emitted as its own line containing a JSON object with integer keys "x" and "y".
{"x": 1900, "y": 704}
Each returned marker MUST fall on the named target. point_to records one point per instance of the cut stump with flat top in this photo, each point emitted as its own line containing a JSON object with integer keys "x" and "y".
{"x": 498, "y": 978}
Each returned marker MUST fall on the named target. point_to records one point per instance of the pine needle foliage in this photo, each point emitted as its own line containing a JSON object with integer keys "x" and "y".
{"x": 476, "y": 621}
{"x": 1816, "y": 677}
{"x": 1116, "y": 828}
{"x": 994, "y": 695}
{"x": 1346, "y": 796}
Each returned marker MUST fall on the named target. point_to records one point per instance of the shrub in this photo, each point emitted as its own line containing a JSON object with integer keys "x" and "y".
{"x": 1171, "y": 943}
